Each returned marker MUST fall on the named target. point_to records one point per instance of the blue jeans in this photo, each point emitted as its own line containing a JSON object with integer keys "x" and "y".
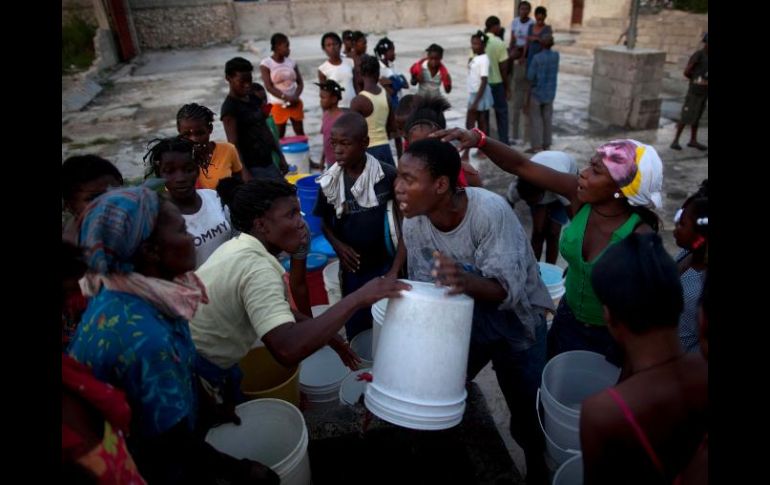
{"x": 568, "y": 333}
{"x": 519, "y": 373}
{"x": 501, "y": 111}
{"x": 382, "y": 153}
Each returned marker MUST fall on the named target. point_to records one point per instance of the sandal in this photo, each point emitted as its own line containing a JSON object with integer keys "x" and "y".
{"x": 699, "y": 146}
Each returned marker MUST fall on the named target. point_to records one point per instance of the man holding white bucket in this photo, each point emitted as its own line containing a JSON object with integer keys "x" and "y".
{"x": 472, "y": 242}
{"x": 247, "y": 297}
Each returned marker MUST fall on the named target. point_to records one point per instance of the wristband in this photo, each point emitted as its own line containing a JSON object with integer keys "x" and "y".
{"x": 483, "y": 140}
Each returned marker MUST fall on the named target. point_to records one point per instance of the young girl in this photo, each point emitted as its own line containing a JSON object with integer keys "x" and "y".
{"x": 479, "y": 93}
{"x": 220, "y": 159}
{"x": 646, "y": 428}
{"x": 691, "y": 233}
{"x": 330, "y": 95}
{"x": 337, "y": 68}
{"x": 373, "y": 103}
{"x": 283, "y": 83}
{"x": 83, "y": 179}
{"x": 427, "y": 116}
{"x": 177, "y": 161}
{"x": 430, "y": 73}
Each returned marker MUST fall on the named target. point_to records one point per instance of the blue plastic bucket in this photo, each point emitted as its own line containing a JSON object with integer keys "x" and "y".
{"x": 319, "y": 244}
{"x": 307, "y": 191}
{"x": 314, "y": 262}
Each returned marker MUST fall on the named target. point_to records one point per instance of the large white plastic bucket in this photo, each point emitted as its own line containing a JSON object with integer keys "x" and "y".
{"x": 272, "y": 432}
{"x": 362, "y": 345}
{"x": 332, "y": 282}
{"x": 422, "y": 356}
{"x": 321, "y": 375}
{"x": 555, "y": 454}
{"x": 570, "y": 473}
{"x": 378, "y": 316}
{"x": 568, "y": 379}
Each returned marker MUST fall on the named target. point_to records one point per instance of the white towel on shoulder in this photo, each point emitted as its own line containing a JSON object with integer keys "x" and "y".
{"x": 332, "y": 183}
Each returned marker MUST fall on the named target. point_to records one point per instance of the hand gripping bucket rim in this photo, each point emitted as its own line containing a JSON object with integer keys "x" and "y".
{"x": 294, "y": 467}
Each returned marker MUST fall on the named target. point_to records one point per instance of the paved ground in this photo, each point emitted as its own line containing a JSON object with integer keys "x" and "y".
{"x": 139, "y": 102}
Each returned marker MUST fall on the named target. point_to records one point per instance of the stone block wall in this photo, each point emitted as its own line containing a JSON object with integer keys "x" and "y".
{"x": 302, "y": 17}
{"x": 182, "y": 23}
{"x": 625, "y": 87}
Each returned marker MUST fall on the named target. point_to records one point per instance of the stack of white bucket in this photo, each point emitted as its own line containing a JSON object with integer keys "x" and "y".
{"x": 568, "y": 379}
{"x": 422, "y": 355}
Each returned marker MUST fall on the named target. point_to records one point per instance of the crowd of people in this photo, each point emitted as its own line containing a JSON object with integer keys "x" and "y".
{"x": 167, "y": 285}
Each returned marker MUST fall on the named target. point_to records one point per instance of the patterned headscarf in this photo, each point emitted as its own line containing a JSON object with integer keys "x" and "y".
{"x": 637, "y": 169}
{"x": 114, "y": 225}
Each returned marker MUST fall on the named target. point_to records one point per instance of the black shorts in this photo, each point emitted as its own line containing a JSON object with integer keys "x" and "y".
{"x": 694, "y": 104}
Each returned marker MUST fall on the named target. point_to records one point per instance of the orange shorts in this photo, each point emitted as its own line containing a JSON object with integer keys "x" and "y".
{"x": 281, "y": 115}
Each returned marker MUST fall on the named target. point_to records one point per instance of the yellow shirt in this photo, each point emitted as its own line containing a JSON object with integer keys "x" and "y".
{"x": 247, "y": 299}
{"x": 377, "y": 122}
{"x": 224, "y": 162}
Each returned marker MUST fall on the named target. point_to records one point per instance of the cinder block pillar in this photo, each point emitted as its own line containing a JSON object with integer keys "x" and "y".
{"x": 625, "y": 87}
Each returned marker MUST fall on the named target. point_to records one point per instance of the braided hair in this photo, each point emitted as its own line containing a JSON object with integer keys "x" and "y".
{"x": 428, "y": 110}
{"x": 382, "y": 48}
{"x": 254, "y": 198}
{"x": 331, "y": 86}
{"x": 481, "y": 36}
{"x": 177, "y": 144}
{"x": 195, "y": 111}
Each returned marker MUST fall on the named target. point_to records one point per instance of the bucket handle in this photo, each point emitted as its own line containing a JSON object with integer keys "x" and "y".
{"x": 540, "y": 421}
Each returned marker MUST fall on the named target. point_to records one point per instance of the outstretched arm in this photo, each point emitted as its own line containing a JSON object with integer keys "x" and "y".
{"x": 514, "y": 162}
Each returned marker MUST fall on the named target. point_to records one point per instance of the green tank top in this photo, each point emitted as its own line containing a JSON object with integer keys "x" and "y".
{"x": 579, "y": 292}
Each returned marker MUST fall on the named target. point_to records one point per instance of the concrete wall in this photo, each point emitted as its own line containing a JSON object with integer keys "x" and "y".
{"x": 182, "y": 23}
{"x": 300, "y": 17}
{"x": 559, "y": 11}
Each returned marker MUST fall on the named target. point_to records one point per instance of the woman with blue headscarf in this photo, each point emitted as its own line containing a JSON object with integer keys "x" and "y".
{"x": 135, "y": 335}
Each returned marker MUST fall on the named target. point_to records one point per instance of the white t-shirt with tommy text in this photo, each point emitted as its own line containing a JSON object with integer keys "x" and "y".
{"x": 478, "y": 68}
{"x": 210, "y": 227}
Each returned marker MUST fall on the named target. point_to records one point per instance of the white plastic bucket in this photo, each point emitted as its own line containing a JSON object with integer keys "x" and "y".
{"x": 568, "y": 379}
{"x": 318, "y": 310}
{"x": 422, "y": 356}
{"x": 570, "y": 473}
{"x": 378, "y": 316}
{"x": 332, "y": 284}
{"x": 352, "y": 388}
{"x": 321, "y": 375}
{"x": 555, "y": 455}
{"x": 362, "y": 345}
{"x": 272, "y": 432}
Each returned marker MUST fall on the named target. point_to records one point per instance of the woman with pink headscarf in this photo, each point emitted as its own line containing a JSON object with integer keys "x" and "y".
{"x": 612, "y": 198}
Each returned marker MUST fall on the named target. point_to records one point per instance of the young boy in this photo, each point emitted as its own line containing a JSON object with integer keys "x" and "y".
{"x": 330, "y": 95}
{"x": 697, "y": 71}
{"x": 430, "y": 73}
{"x": 472, "y": 242}
{"x": 245, "y": 124}
{"x": 542, "y": 73}
{"x": 498, "y": 75}
{"x": 352, "y": 203}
